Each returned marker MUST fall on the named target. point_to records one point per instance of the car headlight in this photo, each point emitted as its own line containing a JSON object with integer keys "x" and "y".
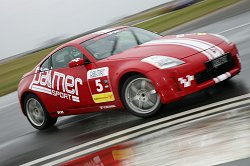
{"x": 162, "y": 62}
{"x": 223, "y": 38}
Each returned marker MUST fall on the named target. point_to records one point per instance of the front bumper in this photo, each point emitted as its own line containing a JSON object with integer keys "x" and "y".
{"x": 175, "y": 83}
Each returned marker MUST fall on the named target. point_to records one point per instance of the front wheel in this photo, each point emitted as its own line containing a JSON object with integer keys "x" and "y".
{"x": 37, "y": 114}
{"x": 140, "y": 97}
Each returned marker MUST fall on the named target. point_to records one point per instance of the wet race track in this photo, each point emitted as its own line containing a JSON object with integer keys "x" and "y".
{"x": 206, "y": 128}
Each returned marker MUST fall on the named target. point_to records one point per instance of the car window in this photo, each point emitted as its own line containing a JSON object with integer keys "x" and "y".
{"x": 144, "y": 36}
{"x": 110, "y": 44}
{"x": 45, "y": 65}
{"x": 102, "y": 48}
{"x": 61, "y": 58}
{"x": 125, "y": 41}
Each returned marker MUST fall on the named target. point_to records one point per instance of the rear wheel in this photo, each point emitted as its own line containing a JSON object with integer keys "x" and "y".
{"x": 140, "y": 97}
{"x": 37, "y": 114}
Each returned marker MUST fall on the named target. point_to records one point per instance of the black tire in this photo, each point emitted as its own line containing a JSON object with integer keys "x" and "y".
{"x": 146, "y": 101}
{"x": 37, "y": 114}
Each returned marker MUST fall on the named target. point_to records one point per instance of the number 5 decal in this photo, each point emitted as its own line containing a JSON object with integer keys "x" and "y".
{"x": 99, "y": 85}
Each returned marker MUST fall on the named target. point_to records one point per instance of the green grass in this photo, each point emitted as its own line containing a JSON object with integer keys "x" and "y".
{"x": 184, "y": 15}
{"x": 12, "y": 71}
{"x": 146, "y": 15}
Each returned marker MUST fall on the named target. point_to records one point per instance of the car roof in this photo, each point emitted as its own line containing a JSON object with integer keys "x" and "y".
{"x": 93, "y": 35}
{"x": 84, "y": 38}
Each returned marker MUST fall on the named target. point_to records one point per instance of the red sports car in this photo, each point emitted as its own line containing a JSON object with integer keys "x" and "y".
{"x": 124, "y": 67}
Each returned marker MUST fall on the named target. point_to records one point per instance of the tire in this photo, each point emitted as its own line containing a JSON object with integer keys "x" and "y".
{"x": 37, "y": 114}
{"x": 140, "y": 97}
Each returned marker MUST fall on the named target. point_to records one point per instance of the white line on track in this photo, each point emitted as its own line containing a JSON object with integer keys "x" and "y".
{"x": 134, "y": 129}
{"x": 237, "y": 27}
{"x": 8, "y": 105}
{"x": 145, "y": 131}
{"x": 150, "y": 19}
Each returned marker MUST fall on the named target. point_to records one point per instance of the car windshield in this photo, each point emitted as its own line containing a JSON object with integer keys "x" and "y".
{"x": 117, "y": 41}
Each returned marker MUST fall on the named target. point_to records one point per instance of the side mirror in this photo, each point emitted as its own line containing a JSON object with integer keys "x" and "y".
{"x": 76, "y": 62}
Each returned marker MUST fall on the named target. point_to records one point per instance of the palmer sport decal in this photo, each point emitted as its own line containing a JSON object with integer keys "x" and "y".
{"x": 56, "y": 84}
{"x": 210, "y": 50}
{"x": 99, "y": 85}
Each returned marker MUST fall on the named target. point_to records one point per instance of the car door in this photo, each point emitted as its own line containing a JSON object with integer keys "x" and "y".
{"x": 69, "y": 85}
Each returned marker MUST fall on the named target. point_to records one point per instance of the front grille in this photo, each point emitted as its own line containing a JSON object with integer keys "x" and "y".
{"x": 211, "y": 72}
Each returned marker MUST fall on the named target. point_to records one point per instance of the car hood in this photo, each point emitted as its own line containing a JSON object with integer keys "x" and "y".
{"x": 179, "y": 46}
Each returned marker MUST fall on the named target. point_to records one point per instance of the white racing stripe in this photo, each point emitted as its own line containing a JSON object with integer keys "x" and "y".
{"x": 218, "y": 50}
{"x": 210, "y": 50}
{"x": 41, "y": 89}
{"x": 134, "y": 129}
{"x": 222, "y": 77}
{"x": 145, "y": 131}
{"x": 216, "y": 80}
{"x": 205, "y": 42}
{"x": 184, "y": 45}
{"x": 209, "y": 56}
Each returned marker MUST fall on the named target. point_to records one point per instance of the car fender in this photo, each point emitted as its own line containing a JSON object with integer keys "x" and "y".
{"x": 128, "y": 68}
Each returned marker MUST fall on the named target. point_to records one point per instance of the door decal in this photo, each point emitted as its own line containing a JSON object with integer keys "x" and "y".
{"x": 99, "y": 85}
{"x": 56, "y": 84}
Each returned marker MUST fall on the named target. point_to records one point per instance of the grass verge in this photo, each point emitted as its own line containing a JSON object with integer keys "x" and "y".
{"x": 145, "y": 15}
{"x": 178, "y": 17}
{"x": 12, "y": 71}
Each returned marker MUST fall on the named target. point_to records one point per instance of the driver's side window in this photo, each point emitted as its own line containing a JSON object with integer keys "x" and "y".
{"x": 61, "y": 58}
{"x": 45, "y": 65}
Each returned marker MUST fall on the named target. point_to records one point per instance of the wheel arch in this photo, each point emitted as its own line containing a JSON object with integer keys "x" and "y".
{"x": 23, "y": 96}
{"x": 124, "y": 77}
{"x": 125, "y": 80}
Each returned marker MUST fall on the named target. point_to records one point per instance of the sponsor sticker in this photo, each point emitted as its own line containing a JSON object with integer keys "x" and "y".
{"x": 186, "y": 82}
{"x": 56, "y": 84}
{"x": 99, "y": 85}
{"x": 107, "y": 107}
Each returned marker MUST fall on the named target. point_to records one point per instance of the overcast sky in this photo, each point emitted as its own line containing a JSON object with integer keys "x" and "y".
{"x": 26, "y": 24}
